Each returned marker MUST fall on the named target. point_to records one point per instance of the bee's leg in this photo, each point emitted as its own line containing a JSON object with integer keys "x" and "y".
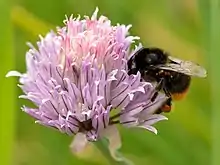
{"x": 158, "y": 88}
{"x": 132, "y": 71}
{"x": 166, "y": 107}
{"x": 167, "y": 93}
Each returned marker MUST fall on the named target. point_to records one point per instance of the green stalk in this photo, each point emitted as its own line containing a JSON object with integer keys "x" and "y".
{"x": 210, "y": 11}
{"x": 215, "y": 77}
{"x": 7, "y": 86}
{"x": 102, "y": 145}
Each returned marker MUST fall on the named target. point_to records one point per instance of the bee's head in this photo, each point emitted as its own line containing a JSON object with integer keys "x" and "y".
{"x": 147, "y": 57}
{"x": 155, "y": 56}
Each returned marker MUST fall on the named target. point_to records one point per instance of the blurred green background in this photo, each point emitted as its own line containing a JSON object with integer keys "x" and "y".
{"x": 186, "y": 28}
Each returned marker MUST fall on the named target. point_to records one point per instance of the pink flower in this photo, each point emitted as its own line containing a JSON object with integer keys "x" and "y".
{"x": 77, "y": 76}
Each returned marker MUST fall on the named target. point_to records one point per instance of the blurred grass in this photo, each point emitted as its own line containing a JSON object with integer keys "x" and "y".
{"x": 7, "y": 87}
{"x": 212, "y": 36}
{"x": 26, "y": 21}
{"x": 180, "y": 27}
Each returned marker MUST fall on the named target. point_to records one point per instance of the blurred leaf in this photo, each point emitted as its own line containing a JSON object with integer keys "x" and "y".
{"x": 157, "y": 34}
{"x": 142, "y": 143}
{"x": 28, "y": 22}
{"x": 200, "y": 125}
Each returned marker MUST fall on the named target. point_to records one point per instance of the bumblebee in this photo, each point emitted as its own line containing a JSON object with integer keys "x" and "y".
{"x": 172, "y": 75}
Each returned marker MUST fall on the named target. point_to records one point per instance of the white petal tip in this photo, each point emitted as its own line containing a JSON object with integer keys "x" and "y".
{"x": 131, "y": 96}
{"x": 13, "y": 73}
{"x": 154, "y": 130}
{"x": 94, "y": 15}
{"x": 150, "y": 128}
{"x": 165, "y": 118}
{"x": 162, "y": 117}
{"x": 37, "y": 122}
{"x": 23, "y": 109}
{"x": 44, "y": 101}
{"x": 23, "y": 97}
{"x": 96, "y": 9}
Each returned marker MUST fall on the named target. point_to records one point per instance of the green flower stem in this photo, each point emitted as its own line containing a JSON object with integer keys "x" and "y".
{"x": 7, "y": 87}
{"x": 102, "y": 145}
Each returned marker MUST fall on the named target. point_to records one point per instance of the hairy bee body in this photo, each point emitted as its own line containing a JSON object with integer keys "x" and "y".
{"x": 172, "y": 75}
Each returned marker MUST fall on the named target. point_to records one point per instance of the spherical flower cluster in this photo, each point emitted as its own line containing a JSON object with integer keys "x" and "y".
{"x": 77, "y": 78}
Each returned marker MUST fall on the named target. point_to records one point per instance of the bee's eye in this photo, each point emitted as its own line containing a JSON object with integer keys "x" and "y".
{"x": 151, "y": 58}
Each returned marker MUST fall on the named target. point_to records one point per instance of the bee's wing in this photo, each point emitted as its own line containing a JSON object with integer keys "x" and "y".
{"x": 185, "y": 67}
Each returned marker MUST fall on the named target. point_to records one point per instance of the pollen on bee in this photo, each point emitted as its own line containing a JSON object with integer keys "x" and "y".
{"x": 166, "y": 108}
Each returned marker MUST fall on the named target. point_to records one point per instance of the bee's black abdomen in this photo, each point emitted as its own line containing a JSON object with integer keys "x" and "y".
{"x": 177, "y": 82}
